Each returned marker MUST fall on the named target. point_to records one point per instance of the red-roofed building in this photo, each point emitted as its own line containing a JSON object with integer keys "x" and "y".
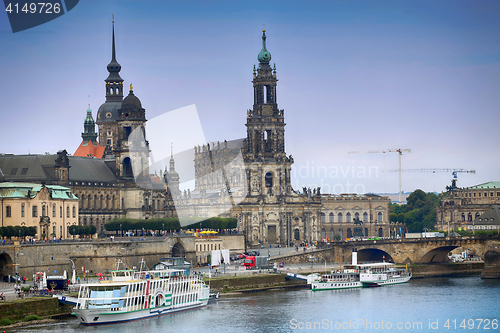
{"x": 89, "y": 146}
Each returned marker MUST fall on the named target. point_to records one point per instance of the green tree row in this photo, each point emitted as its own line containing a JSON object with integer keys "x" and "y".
{"x": 168, "y": 223}
{"x": 82, "y": 230}
{"x": 418, "y": 213}
{"x": 16, "y": 231}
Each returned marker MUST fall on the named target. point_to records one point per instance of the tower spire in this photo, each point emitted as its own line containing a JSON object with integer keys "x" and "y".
{"x": 114, "y": 83}
{"x": 113, "y": 54}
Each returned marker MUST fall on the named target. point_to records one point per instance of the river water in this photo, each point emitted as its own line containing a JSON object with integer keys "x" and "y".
{"x": 421, "y": 305}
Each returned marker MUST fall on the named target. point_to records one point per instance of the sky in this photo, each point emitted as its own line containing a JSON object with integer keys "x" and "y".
{"x": 353, "y": 76}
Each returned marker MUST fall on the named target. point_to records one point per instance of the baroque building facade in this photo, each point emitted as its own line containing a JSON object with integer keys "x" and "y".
{"x": 249, "y": 179}
{"x": 459, "y": 207}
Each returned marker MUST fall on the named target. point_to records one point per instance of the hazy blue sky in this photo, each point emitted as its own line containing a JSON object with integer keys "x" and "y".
{"x": 353, "y": 76}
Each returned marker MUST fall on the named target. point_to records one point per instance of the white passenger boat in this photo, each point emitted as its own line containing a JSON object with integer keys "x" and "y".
{"x": 362, "y": 275}
{"x": 132, "y": 295}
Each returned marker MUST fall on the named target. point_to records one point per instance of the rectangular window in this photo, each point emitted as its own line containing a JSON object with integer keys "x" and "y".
{"x": 54, "y": 211}
{"x": 67, "y": 211}
{"x": 60, "y": 231}
{"x": 54, "y": 231}
{"x": 8, "y": 211}
{"x": 22, "y": 210}
{"x": 60, "y": 211}
{"x": 35, "y": 212}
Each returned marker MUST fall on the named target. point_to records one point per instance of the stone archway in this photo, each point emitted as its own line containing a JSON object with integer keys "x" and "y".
{"x": 439, "y": 254}
{"x": 6, "y": 265}
{"x": 374, "y": 255}
{"x": 178, "y": 251}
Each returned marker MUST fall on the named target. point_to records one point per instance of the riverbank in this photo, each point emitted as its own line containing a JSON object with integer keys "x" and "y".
{"x": 14, "y": 313}
{"x": 442, "y": 270}
{"x": 250, "y": 283}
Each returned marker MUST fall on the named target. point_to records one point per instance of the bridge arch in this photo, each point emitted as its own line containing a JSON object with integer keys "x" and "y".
{"x": 439, "y": 254}
{"x": 376, "y": 255}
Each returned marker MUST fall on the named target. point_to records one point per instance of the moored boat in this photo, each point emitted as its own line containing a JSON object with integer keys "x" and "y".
{"x": 362, "y": 276}
{"x": 132, "y": 295}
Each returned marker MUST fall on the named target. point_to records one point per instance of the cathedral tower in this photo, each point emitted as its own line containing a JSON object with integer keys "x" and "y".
{"x": 132, "y": 149}
{"x": 107, "y": 115}
{"x": 264, "y": 146}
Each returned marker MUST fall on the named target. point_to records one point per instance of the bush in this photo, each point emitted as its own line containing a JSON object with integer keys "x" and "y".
{"x": 31, "y": 317}
{"x": 5, "y": 322}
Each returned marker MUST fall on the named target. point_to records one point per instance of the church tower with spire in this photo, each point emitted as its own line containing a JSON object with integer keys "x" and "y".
{"x": 268, "y": 167}
{"x": 89, "y": 146}
{"x": 107, "y": 115}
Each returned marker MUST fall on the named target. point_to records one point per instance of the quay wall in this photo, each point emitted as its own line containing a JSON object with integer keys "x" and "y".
{"x": 451, "y": 269}
{"x": 252, "y": 282}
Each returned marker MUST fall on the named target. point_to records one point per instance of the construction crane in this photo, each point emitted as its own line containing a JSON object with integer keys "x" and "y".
{"x": 454, "y": 173}
{"x": 399, "y": 151}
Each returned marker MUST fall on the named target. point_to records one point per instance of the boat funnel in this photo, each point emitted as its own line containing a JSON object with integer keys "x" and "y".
{"x": 354, "y": 256}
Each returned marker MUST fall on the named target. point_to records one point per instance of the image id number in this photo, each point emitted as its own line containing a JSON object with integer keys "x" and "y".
{"x": 34, "y": 7}
{"x": 471, "y": 324}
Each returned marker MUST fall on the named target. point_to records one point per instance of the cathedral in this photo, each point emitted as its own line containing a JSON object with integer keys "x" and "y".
{"x": 249, "y": 179}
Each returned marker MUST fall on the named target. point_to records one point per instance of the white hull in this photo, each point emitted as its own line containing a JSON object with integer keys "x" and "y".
{"x": 106, "y": 316}
{"x": 332, "y": 285}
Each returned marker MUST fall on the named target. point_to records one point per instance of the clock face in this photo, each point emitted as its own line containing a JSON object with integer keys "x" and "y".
{"x": 108, "y": 115}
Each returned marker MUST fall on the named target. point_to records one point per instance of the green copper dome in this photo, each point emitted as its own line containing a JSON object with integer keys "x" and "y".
{"x": 264, "y": 55}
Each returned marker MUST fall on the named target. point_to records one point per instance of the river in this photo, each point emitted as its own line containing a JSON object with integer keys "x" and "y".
{"x": 421, "y": 305}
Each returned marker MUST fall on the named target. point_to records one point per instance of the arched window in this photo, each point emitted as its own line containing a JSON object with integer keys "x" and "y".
{"x": 127, "y": 168}
{"x": 380, "y": 232}
{"x": 235, "y": 178}
{"x": 348, "y": 218}
{"x": 339, "y": 218}
{"x": 470, "y": 217}
{"x": 74, "y": 211}
{"x": 463, "y": 217}
{"x": 269, "y": 179}
{"x": 323, "y": 219}
{"x": 349, "y": 233}
{"x": 379, "y": 216}
{"x": 356, "y": 216}
{"x": 296, "y": 234}
{"x": 323, "y": 233}
{"x": 67, "y": 211}
{"x": 43, "y": 210}
{"x": 332, "y": 234}
{"x": 330, "y": 218}
{"x": 365, "y": 217}
{"x": 95, "y": 201}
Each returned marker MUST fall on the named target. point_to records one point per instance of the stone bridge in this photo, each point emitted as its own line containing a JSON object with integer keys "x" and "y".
{"x": 419, "y": 250}
{"x": 94, "y": 256}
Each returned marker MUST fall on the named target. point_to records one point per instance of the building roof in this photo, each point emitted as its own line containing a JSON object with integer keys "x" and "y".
{"x": 30, "y": 190}
{"x": 87, "y": 149}
{"x": 485, "y": 186}
{"x": 490, "y": 217}
{"x": 38, "y": 168}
